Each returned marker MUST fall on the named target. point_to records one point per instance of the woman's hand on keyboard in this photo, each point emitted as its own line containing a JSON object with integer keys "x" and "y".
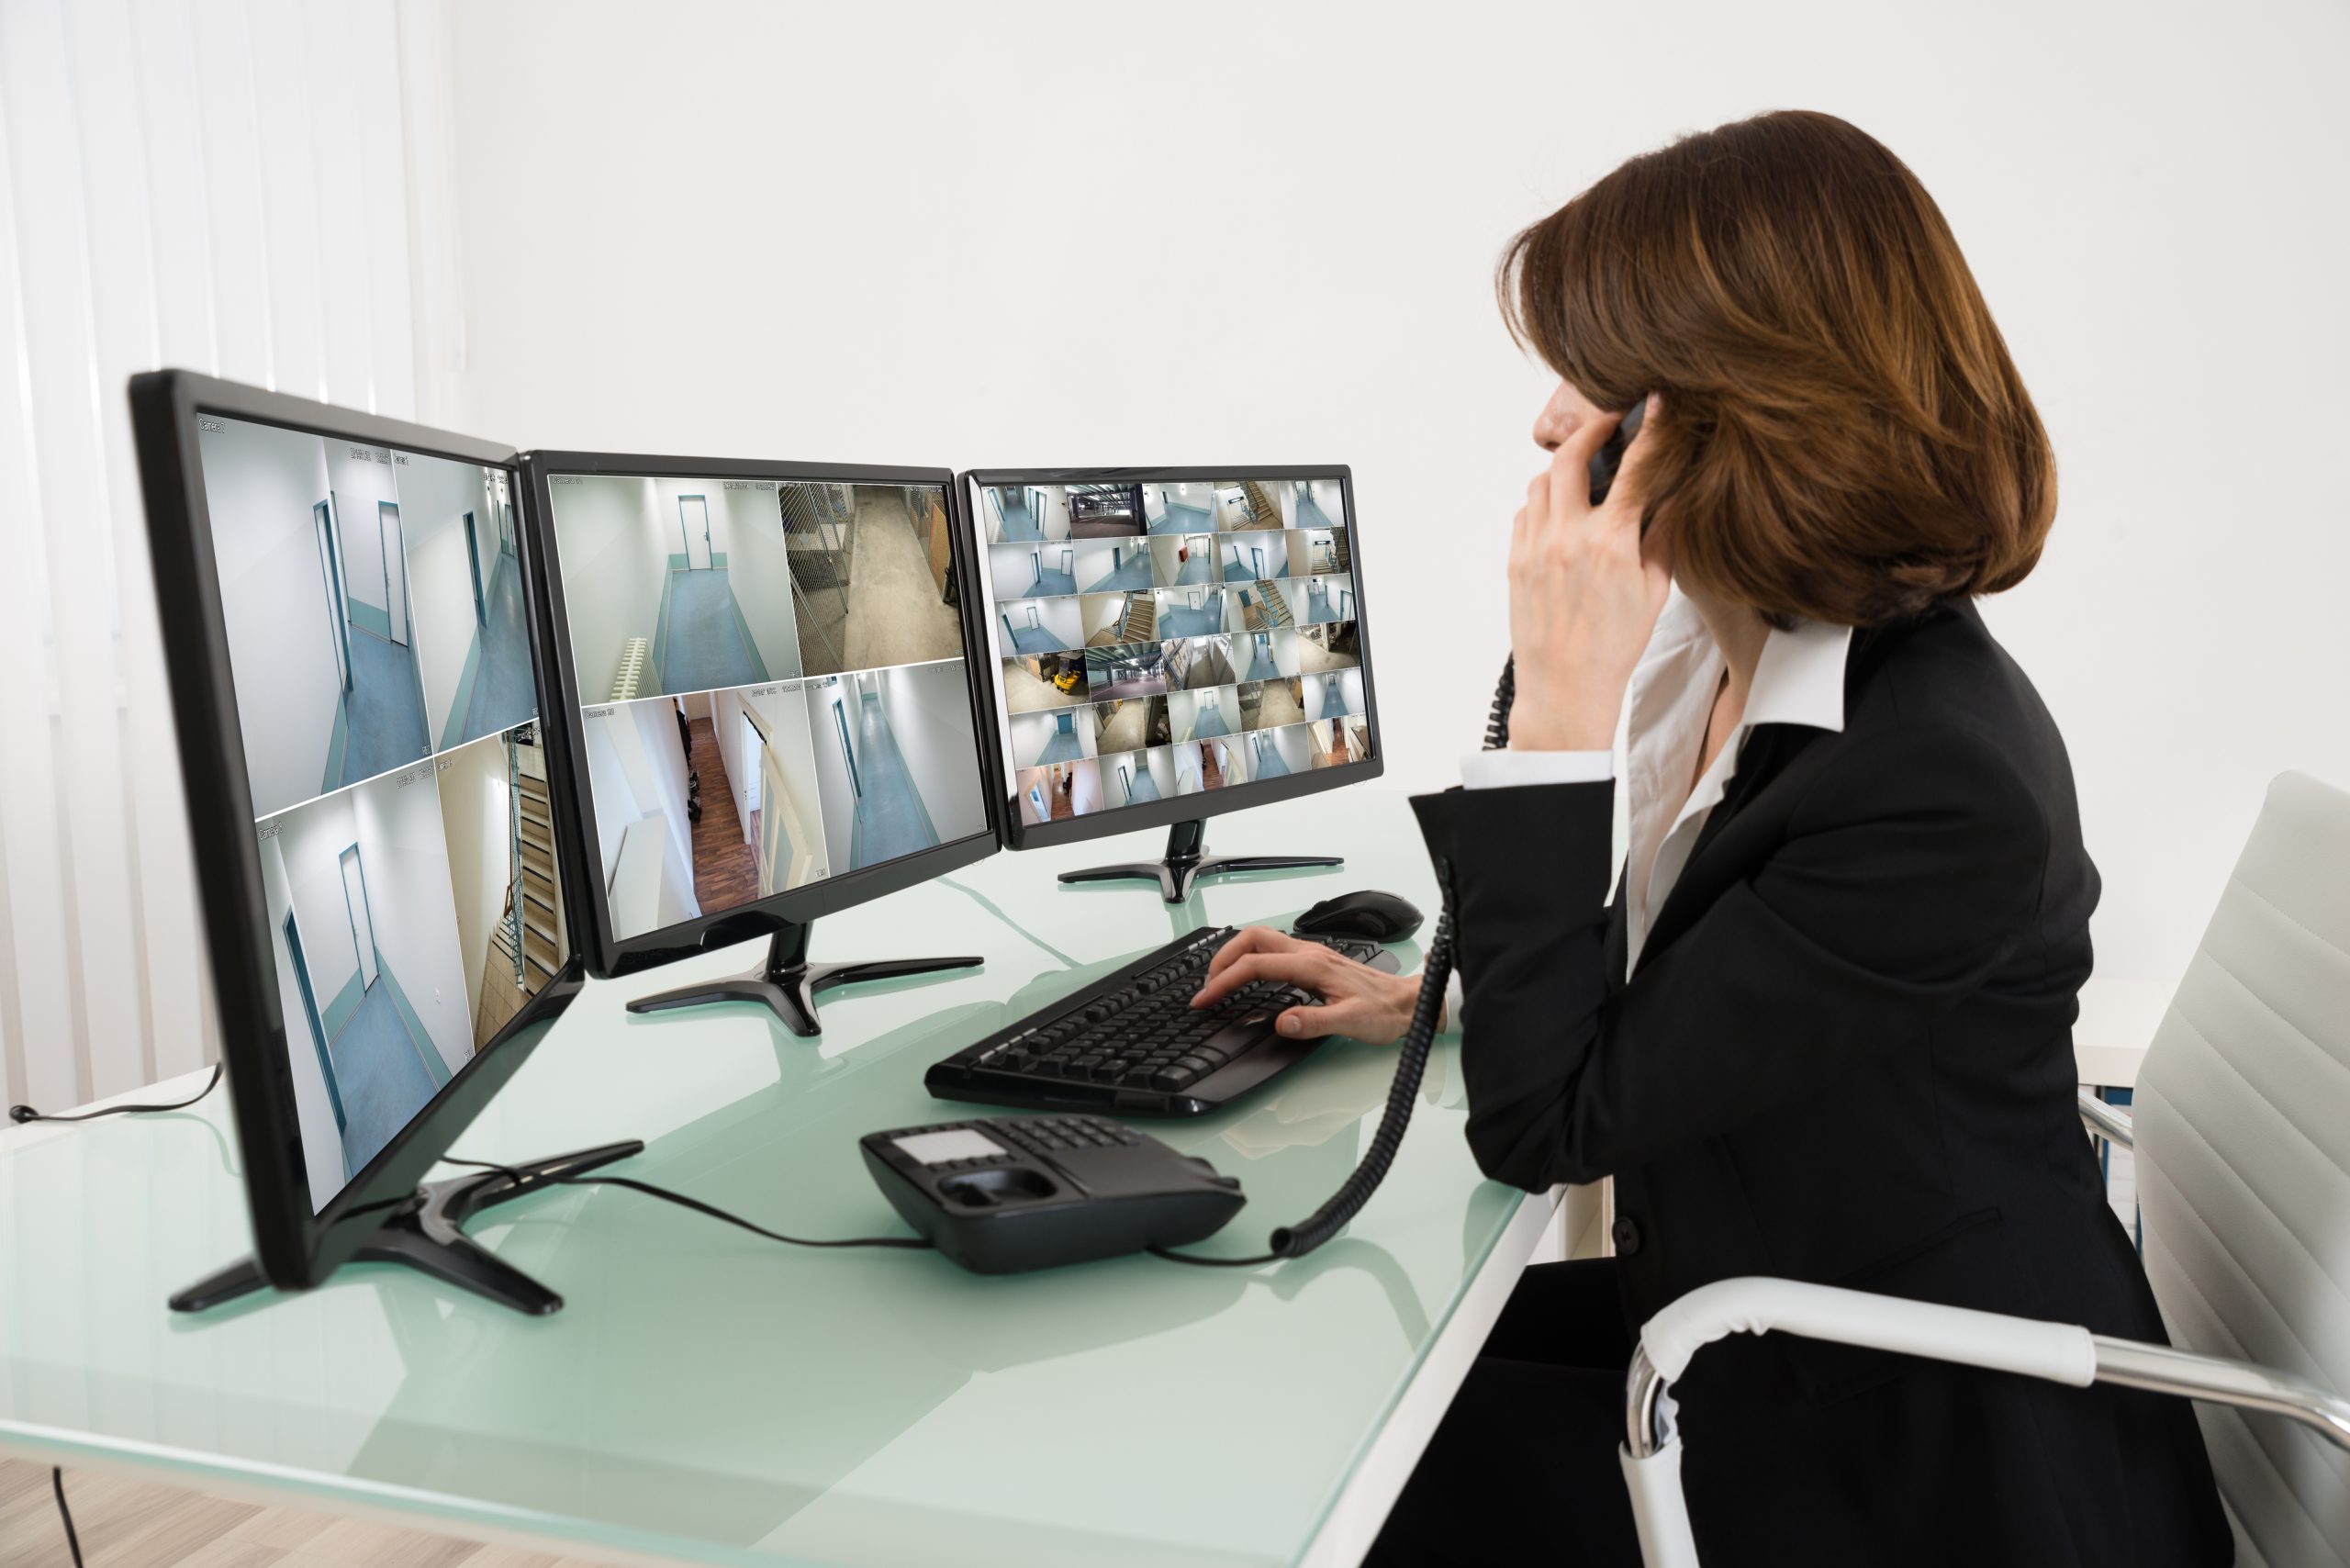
{"x": 1357, "y": 1000}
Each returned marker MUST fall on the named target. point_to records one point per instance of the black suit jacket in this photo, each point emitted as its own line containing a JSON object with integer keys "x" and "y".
{"x": 1845, "y": 1056}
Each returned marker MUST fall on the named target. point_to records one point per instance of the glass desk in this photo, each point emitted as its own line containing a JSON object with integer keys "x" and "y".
{"x": 710, "y": 1398}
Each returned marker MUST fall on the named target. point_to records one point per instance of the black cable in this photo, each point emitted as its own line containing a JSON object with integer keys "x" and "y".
{"x": 64, "y": 1514}
{"x": 27, "y": 1114}
{"x": 1420, "y": 1038}
{"x": 1174, "y": 1257}
{"x": 521, "y": 1179}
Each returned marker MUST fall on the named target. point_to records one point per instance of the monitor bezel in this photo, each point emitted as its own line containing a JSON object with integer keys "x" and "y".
{"x": 610, "y": 955}
{"x": 1019, "y": 834}
{"x": 294, "y": 1246}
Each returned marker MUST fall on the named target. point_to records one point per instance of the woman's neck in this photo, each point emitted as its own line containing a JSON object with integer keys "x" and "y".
{"x": 1740, "y": 632}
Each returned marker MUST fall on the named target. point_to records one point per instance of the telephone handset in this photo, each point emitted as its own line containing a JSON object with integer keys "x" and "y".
{"x": 1610, "y": 456}
{"x": 1007, "y": 1194}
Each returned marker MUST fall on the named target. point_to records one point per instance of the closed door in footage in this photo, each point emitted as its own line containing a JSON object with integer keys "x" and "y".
{"x": 387, "y": 528}
{"x": 693, "y": 525}
{"x": 362, "y": 922}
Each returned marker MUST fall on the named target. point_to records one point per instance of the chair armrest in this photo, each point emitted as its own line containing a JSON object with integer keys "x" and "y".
{"x": 2060, "y": 1352}
{"x": 2107, "y": 1122}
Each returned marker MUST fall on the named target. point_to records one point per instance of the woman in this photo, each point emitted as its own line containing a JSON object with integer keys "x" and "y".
{"x": 1823, "y": 1028}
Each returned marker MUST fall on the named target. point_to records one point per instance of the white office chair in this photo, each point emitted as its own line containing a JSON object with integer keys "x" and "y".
{"x": 2243, "y": 1146}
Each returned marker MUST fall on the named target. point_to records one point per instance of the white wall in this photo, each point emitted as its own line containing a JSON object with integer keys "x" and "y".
{"x": 636, "y": 772}
{"x": 169, "y": 202}
{"x": 784, "y": 717}
{"x": 406, "y": 852}
{"x": 836, "y": 794}
{"x": 434, "y": 496}
{"x": 1097, "y": 558}
{"x": 637, "y": 766}
{"x": 1085, "y": 788}
{"x": 476, "y": 804}
{"x": 2149, "y": 197}
{"x": 260, "y": 484}
{"x": 615, "y": 564}
{"x": 1011, "y": 571}
{"x": 313, "y": 1108}
{"x": 929, "y": 707}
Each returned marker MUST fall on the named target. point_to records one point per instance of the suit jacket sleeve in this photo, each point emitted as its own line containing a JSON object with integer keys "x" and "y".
{"x": 1908, "y": 869}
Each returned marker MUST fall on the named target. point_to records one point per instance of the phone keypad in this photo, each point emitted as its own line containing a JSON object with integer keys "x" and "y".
{"x": 1048, "y": 1135}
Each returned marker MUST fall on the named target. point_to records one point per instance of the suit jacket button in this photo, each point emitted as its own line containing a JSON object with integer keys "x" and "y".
{"x": 1626, "y": 1233}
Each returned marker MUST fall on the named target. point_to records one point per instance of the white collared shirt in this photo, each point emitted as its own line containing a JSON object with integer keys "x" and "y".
{"x": 1799, "y": 680}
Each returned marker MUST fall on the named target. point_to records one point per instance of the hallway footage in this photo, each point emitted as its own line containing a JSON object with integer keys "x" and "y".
{"x": 726, "y": 869}
{"x": 1182, "y": 520}
{"x": 1016, "y": 521}
{"x": 503, "y": 694}
{"x": 1131, "y": 570}
{"x": 891, "y": 821}
{"x": 707, "y": 644}
{"x": 383, "y": 714}
{"x": 380, "y": 1073}
{"x": 1179, "y": 617}
{"x": 1196, "y": 638}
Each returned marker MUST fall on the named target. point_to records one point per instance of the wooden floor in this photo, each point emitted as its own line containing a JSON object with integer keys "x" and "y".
{"x": 501, "y": 997}
{"x": 127, "y": 1524}
{"x": 726, "y": 869}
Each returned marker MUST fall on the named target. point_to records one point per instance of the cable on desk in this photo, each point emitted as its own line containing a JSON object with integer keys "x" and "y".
{"x": 1174, "y": 1257}
{"x": 911, "y": 1243}
{"x": 27, "y": 1114}
{"x": 64, "y": 1514}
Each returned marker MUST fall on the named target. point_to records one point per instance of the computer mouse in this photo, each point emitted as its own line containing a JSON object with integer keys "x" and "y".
{"x": 1382, "y": 917}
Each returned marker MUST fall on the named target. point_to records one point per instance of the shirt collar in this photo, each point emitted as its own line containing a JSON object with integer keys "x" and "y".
{"x": 1800, "y": 677}
{"x": 1798, "y": 680}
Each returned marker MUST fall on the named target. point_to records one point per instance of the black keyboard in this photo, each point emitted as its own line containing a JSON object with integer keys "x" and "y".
{"x": 1131, "y": 1044}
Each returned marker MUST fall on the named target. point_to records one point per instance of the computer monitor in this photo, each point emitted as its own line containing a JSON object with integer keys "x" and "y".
{"x": 1166, "y": 644}
{"x": 768, "y": 697}
{"x": 354, "y": 679}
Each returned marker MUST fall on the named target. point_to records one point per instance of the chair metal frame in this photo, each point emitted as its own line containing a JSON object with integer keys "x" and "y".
{"x": 2058, "y": 1351}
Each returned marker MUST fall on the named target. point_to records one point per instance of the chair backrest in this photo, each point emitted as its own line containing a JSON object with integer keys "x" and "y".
{"x": 2242, "y": 1113}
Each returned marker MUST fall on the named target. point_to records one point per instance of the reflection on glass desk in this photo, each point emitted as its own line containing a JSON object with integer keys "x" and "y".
{"x": 709, "y": 1396}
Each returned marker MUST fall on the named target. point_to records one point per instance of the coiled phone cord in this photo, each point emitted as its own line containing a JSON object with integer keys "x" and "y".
{"x": 1412, "y": 1061}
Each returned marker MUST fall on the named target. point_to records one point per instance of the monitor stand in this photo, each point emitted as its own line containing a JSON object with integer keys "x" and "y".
{"x": 1187, "y": 862}
{"x": 787, "y": 983}
{"x": 427, "y": 1233}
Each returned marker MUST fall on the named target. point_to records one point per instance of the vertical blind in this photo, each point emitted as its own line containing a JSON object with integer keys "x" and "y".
{"x": 221, "y": 186}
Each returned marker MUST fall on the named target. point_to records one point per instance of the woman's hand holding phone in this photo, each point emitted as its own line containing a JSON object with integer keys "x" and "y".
{"x": 1585, "y": 592}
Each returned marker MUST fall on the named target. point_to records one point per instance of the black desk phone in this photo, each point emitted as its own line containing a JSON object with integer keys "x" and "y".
{"x": 1010, "y": 1193}
{"x": 1016, "y": 1192}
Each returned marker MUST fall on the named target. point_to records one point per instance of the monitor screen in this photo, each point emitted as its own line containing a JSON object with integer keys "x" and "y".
{"x": 1161, "y": 638}
{"x": 384, "y": 687}
{"x": 772, "y": 679}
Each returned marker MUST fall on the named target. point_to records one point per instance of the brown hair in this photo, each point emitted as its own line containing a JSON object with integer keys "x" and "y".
{"x": 1841, "y": 434}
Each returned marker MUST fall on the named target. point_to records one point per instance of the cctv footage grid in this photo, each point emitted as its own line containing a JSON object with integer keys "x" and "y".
{"x": 384, "y": 691}
{"x": 774, "y": 680}
{"x": 1166, "y": 638}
